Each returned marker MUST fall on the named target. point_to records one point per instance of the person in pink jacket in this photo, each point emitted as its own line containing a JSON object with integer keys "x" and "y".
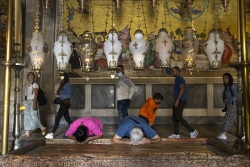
{"x": 85, "y": 129}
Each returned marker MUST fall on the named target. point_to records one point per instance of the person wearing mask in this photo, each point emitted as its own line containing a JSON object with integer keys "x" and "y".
{"x": 64, "y": 92}
{"x": 31, "y": 112}
{"x": 125, "y": 89}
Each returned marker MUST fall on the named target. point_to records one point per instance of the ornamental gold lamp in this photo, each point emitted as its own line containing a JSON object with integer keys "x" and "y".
{"x": 37, "y": 48}
{"x": 87, "y": 47}
{"x": 189, "y": 43}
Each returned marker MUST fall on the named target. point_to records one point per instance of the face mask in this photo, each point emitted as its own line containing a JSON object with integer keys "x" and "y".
{"x": 119, "y": 74}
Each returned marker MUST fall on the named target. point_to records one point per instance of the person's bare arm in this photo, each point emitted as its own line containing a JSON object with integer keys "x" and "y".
{"x": 35, "y": 91}
{"x": 91, "y": 138}
{"x": 71, "y": 137}
{"x": 154, "y": 140}
{"x": 117, "y": 140}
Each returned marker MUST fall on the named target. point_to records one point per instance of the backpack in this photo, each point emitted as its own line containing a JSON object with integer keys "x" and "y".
{"x": 42, "y": 100}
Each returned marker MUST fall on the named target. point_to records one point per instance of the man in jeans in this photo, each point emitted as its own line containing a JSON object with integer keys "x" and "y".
{"x": 125, "y": 89}
{"x": 179, "y": 104}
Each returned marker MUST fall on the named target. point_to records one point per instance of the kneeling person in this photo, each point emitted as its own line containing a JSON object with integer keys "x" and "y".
{"x": 149, "y": 109}
{"x": 137, "y": 129}
{"x": 85, "y": 129}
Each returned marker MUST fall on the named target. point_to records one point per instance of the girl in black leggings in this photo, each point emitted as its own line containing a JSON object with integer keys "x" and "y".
{"x": 64, "y": 92}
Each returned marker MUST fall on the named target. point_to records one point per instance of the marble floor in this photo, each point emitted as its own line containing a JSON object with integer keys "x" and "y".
{"x": 205, "y": 150}
{"x": 205, "y": 131}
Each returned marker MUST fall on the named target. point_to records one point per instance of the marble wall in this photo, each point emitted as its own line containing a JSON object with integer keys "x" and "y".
{"x": 104, "y": 96}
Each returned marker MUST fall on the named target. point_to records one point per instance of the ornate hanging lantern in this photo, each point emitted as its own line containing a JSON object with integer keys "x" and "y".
{"x": 86, "y": 49}
{"x": 82, "y": 5}
{"x": 118, "y": 5}
{"x": 138, "y": 48}
{"x": 154, "y": 4}
{"x": 37, "y": 48}
{"x": 189, "y": 43}
{"x": 214, "y": 49}
{"x": 47, "y": 4}
{"x": 112, "y": 49}
{"x": 62, "y": 50}
{"x": 225, "y": 4}
{"x": 163, "y": 47}
{"x": 189, "y": 47}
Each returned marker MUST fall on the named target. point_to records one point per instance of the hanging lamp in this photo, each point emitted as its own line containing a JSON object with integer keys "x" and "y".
{"x": 37, "y": 48}
{"x": 163, "y": 48}
{"x": 214, "y": 46}
{"x": 112, "y": 46}
{"x": 138, "y": 46}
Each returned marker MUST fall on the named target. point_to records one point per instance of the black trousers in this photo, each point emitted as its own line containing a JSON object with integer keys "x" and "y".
{"x": 177, "y": 118}
{"x": 63, "y": 111}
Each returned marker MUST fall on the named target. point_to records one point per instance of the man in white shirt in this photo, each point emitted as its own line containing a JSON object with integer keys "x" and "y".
{"x": 125, "y": 89}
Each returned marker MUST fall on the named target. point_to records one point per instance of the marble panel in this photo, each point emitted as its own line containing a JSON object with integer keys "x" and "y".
{"x": 78, "y": 99}
{"x": 167, "y": 92}
{"x": 139, "y": 97}
{"x": 218, "y": 95}
{"x": 196, "y": 95}
{"x": 103, "y": 97}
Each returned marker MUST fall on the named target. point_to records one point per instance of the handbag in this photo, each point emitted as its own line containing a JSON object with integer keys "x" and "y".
{"x": 57, "y": 101}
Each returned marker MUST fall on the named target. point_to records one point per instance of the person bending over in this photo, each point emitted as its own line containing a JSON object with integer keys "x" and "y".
{"x": 85, "y": 129}
{"x": 149, "y": 109}
{"x": 137, "y": 129}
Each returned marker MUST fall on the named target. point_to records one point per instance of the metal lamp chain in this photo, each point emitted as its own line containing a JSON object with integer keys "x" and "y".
{"x": 156, "y": 16}
{"x": 144, "y": 18}
{"x": 107, "y": 16}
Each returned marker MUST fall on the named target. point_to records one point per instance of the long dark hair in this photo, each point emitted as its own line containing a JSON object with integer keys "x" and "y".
{"x": 81, "y": 133}
{"x": 230, "y": 79}
{"x": 63, "y": 82}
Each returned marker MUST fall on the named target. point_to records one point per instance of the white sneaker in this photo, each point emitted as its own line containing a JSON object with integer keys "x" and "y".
{"x": 194, "y": 134}
{"x": 49, "y": 136}
{"x": 222, "y": 136}
{"x": 174, "y": 136}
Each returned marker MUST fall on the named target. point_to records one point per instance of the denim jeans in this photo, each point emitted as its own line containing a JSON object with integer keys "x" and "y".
{"x": 122, "y": 106}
